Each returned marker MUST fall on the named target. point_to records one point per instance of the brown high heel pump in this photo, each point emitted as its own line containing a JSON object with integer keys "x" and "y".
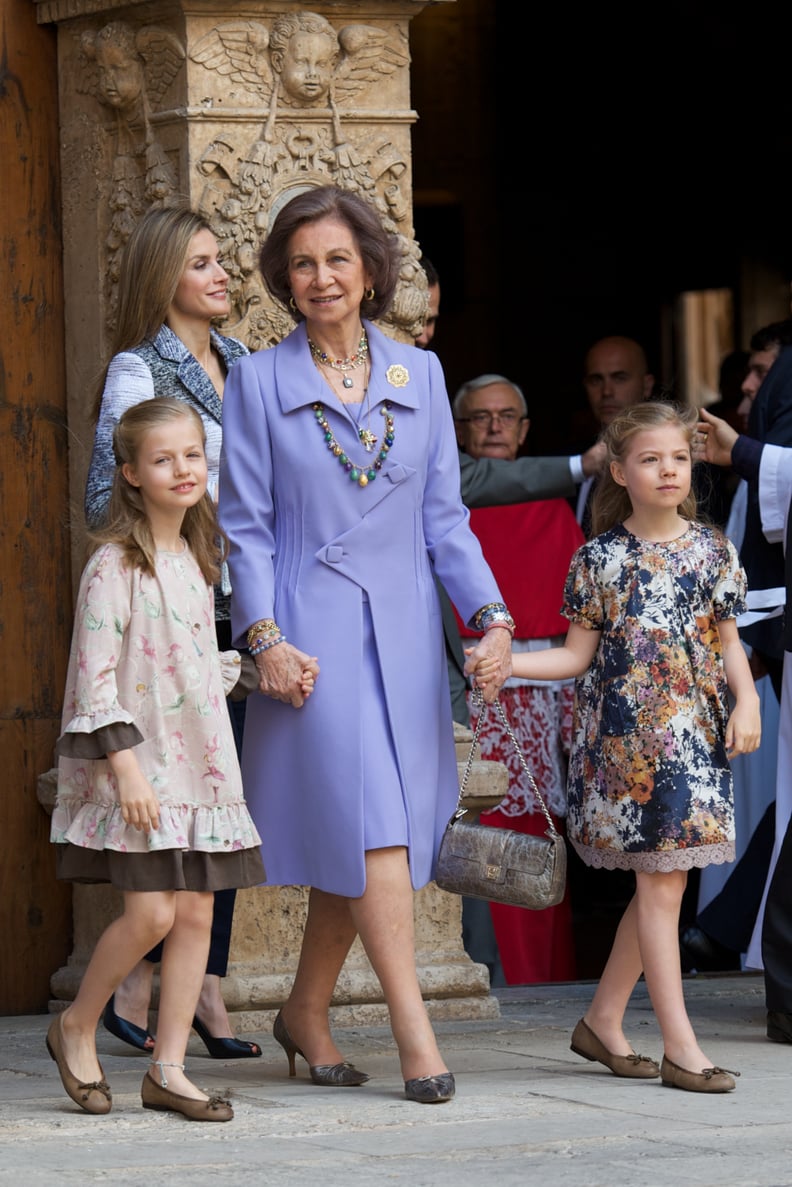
{"x": 330, "y": 1075}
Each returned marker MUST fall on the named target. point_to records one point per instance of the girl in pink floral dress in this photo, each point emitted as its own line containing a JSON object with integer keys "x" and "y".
{"x": 653, "y": 642}
{"x": 149, "y": 787}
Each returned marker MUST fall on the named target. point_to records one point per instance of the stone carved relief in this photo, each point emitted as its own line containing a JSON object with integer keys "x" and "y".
{"x": 303, "y": 74}
{"x": 299, "y": 78}
{"x": 129, "y": 70}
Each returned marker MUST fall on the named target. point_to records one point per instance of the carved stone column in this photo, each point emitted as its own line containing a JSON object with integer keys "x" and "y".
{"x": 235, "y": 107}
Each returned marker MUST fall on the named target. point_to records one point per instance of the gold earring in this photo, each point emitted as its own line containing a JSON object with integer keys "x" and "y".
{"x": 369, "y": 294}
{"x": 292, "y": 305}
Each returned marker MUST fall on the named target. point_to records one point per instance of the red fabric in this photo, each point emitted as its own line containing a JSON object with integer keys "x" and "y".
{"x": 529, "y": 546}
{"x": 536, "y": 947}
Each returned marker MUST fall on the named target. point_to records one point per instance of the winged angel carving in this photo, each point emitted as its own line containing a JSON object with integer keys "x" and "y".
{"x": 301, "y": 72}
{"x": 129, "y": 70}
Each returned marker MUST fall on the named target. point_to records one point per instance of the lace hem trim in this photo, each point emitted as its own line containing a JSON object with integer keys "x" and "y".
{"x": 656, "y": 862}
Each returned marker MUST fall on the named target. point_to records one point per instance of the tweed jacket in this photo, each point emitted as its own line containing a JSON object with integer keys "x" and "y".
{"x": 159, "y": 367}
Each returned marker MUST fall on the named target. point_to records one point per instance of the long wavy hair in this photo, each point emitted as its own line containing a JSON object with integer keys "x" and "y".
{"x": 151, "y": 267}
{"x": 611, "y": 502}
{"x": 127, "y": 523}
{"x": 379, "y": 249}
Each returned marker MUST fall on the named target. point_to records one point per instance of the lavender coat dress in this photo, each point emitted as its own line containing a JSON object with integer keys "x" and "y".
{"x": 347, "y": 573}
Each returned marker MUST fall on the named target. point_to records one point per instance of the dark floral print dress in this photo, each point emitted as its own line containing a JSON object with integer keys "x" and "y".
{"x": 650, "y": 786}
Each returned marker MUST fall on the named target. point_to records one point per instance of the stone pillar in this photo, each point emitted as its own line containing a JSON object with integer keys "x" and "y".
{"x": 207, "y": 102}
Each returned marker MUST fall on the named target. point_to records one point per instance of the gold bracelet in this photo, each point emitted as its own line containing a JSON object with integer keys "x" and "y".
{"x": 264, "y": 626}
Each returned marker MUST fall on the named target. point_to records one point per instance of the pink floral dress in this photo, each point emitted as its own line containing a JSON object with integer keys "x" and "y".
{"x": 144, "y": 671}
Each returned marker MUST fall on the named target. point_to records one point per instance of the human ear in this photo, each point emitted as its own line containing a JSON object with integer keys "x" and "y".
{"x": 128, "y": 472}
{"x": 617, "y": 474}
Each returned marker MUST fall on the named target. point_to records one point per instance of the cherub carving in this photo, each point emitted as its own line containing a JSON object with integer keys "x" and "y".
{"x": 238, "y": 50}
{"x": 132, "y": 69}
{"x": 129, "y": 70}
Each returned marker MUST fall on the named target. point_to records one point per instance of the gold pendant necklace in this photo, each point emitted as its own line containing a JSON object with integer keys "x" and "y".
{"x": 357, "y": 359}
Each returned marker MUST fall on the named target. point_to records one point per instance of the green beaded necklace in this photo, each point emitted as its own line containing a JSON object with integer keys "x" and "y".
{"x": 361, "y": 475}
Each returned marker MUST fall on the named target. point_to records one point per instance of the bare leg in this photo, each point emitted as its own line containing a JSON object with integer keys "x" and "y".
{"x": 147, "y": 917}
{"x": 384, "y": 917}
{"x": 211, "y": 1008}
{"x": 659, "y": 899}
{"x": 605, "y": 1015}
{"x": 133, "y": 995}
{"x": 181, "y": 975}
{"x": 329, "y": 934}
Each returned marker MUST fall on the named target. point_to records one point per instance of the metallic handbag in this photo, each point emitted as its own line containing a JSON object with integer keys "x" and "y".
{"x": 498, "y": 864}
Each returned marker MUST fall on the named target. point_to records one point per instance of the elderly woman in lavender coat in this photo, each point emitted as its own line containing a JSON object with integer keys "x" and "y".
{"x": 339, "y": 491}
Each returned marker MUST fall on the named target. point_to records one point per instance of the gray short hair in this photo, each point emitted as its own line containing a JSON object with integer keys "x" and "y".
{"x": 474, "y": 385}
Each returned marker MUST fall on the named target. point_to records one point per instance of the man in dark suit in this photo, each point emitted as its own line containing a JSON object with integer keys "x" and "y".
{"x": 769, "y": 467}
{"x": 769, "y": 421}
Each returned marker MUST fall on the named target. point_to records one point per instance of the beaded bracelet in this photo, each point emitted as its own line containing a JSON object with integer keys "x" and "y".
{"x": 264, "y": 627}
{"x": 262, "y": 645}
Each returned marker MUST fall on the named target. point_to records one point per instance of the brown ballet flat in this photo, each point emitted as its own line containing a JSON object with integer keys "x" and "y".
{"x": 95, "y": 1097}
{"x": 159, "y": 1097}
{"x": 709, "y": 1079}
{"x": 633, "y": 1067}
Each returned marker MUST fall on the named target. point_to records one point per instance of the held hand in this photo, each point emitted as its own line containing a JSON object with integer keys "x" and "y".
{"x": 287, "y": 674}
{"x": 744, "y": 730}
{"x": 482, "y": 668}
{"x": 490, "y": 662}
{"x": 719, "y": 438}
{"x": 593, "y": 460}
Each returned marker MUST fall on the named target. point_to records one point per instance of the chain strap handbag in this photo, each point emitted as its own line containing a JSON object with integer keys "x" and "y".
{"x": 498, "y": 864}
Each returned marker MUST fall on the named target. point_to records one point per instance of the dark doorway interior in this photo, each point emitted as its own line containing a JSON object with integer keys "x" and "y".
{"x": 575, "y": 170}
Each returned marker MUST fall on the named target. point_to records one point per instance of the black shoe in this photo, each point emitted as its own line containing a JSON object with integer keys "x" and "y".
{"x": 225, "y": 1048}
{"x": 702, "y": 953}
{"x": 127, "y": 1032}
{"x": 779, "y": 1027}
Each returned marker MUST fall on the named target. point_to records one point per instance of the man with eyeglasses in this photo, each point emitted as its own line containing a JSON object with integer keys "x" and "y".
{"x": 491, "y": 418}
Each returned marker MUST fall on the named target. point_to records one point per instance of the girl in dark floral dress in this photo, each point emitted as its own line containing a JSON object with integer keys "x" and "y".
{"x": 652, "y": 601}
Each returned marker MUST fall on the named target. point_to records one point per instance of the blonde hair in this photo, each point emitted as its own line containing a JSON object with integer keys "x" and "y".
{"x": 611, "y": 502}
{"x": 151, "y": 267}
{"x": 127, "y": 523}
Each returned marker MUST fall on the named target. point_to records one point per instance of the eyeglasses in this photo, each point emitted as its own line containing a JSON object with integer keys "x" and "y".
{"x": 483, "y": 420}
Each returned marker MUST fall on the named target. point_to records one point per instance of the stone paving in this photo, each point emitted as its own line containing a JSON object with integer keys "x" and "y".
{"x": 527, "y": 1109}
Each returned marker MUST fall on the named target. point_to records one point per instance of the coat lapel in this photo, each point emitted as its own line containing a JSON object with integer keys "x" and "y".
{"x": 190, "y": 371}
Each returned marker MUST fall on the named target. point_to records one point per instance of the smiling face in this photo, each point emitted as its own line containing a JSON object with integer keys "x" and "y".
{"x": 656, "y": 469}
{"x": 326, "y": 273}
{"x": 202, "y": 291}
{"x": 170, "y": 468}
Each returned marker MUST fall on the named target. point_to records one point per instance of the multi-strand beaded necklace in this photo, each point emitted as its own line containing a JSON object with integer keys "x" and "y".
{"x": 357, "y": 359}
{"x": 361, "y": 475}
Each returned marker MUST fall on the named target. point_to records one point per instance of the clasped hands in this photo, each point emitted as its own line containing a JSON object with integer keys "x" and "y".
{"x": 490, "y": 662}
{"x": 287, "y": 674}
